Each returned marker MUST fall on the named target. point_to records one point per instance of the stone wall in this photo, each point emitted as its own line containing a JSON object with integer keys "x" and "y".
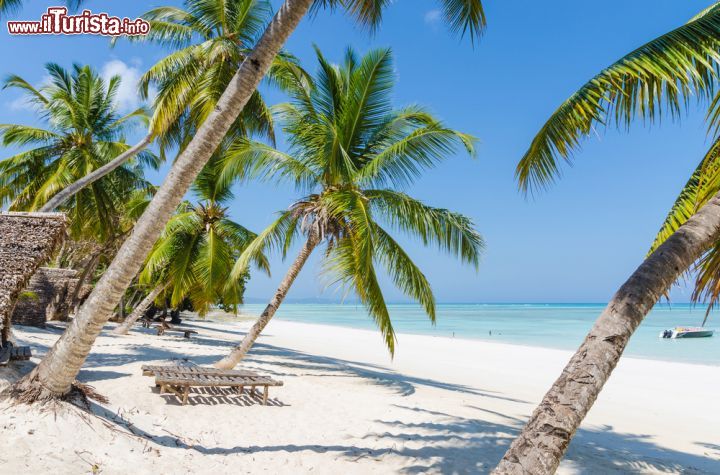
{"x": 46, "y": 297}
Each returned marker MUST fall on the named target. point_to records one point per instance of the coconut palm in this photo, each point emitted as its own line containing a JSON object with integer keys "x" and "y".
{"x": 82, "y": 131}
{"x": 350, "y": 150}
{"x": 659, "y": 78}
{"x": 209, "y": 42}
{"x": 703, "y": 184}
{"x": 196, "y": 253}
{"x": 54, "y": 375}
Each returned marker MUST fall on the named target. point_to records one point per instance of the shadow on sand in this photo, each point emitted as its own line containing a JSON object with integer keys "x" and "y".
{"x": 446, "y": 443}
{"x": 426, "y": 441}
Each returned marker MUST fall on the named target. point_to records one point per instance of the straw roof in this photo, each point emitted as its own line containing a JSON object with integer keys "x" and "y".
{"x": 27, "y": 240}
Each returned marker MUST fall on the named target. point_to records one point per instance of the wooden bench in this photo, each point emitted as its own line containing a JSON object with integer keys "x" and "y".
{"x": 20, "y": 353}
{"x": 163, "y": 327}
{"x": 180, "y": 383}
{"x": 5, "y": 352}
{"x": 150, "y": 370}
{"x": 9, "y": 353}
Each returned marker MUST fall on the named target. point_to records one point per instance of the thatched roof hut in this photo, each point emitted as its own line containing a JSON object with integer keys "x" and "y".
{"x": 27, "y": 240}
{"x": 46, "y": 297}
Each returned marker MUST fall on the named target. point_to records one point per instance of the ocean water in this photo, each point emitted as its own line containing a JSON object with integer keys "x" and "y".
{"x": 560, "y": 326}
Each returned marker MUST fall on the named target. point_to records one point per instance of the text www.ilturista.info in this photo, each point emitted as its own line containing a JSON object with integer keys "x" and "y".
{"x": 57, "y": 22}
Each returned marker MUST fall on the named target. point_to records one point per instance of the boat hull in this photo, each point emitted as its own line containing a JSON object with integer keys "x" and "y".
{"x": 694, "y": 334}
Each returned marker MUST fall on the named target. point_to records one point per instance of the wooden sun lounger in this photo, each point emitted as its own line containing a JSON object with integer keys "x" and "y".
{"x": 150, "y": 370}
{"x": 9, "y": 353}
{"x": 164, "y": 327}
{"x": 180, "y": 383}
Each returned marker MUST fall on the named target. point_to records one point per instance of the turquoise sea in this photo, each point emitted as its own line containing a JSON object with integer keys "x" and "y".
{"x": 550, "y": 325}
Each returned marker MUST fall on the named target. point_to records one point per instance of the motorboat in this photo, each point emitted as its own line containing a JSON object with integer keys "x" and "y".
{"x": 687, "y": 332}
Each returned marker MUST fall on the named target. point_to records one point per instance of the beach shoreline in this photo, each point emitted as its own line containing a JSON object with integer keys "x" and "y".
{"x": 442, "y": 405}
{"x": 248, "y": 317}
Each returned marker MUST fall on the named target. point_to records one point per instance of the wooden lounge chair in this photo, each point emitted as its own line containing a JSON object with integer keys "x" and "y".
{"x": 150, "y": 370}
{"x": 180, "y": 383}
{"x": 9, "y": 352}
{"x": 164, "y": 327}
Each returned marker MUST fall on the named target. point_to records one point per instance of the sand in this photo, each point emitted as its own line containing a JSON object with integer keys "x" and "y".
{"x": 443, "y": 405}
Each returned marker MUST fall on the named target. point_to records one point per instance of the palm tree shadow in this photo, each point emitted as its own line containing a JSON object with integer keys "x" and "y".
{"x": 214, "y": 396}
{"x": 273, "y": 360}
{"x": 460, "y": 445}
{"x": 283, "y": 362}
{"x": 437, "y": 442}
{"x": 429, "y": 441}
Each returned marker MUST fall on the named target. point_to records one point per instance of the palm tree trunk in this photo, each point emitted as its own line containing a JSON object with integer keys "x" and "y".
{"x": 88, "y": 270}
{"x": 66, "y": 193}
{"x": 54, "y": 375}
{"x": 239, "y": 352}
{"x": 121, "y": 309}
{"x": 542, "y": 443}
{"x": 139, "y": 310}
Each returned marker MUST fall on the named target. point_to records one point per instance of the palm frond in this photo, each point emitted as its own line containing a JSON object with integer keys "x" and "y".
{"x": 449, "y": 231}
{"x": 702, "y": 185}
{"x": 465, "y": 17}
{"x": 403, "y": 271}
{"x": 278, "y": 236}
{"x": 656, "y": 79}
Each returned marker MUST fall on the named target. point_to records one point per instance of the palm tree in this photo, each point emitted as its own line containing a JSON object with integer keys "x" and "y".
{"x": 54, "y": 375}
{"x": 83, "y": 132}
{"x": 702, "y": 186}
{"x": 210, "y": 40}
{"x": 196, "y": 253}
{"x": 347, "y": 145}
{"x": 655, "y": 79}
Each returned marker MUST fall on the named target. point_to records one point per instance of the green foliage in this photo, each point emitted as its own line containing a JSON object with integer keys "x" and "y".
{"x": 658, "y": 78}
{"x": 197, "y": 250}
{"x": 83, "y": 131}
{"x": 29, "y": 295}
{"x": 210, "y": 38}
{"x": 703, "y": 184}
{"x": 465, "y": 17}
{"x": 347, "y": 144}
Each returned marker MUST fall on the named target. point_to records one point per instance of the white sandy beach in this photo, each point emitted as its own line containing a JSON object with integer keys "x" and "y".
{"x": 442, "y": 406}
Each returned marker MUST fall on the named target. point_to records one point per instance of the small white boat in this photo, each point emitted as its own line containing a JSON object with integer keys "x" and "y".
{"x": 687, "y": 332}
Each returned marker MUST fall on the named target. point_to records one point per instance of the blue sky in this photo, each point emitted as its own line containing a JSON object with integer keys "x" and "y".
{"x": 576, "y": 242}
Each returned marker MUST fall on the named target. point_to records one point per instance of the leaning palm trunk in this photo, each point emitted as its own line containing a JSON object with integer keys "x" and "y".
{"x": 138, "y": 312}
{"x": 239, "y": 352}
{"x": 66, "y": 193}
{"x": 54, "y": 375}
{"x": 540, "y": 446}
{"x": 88, "y": 270}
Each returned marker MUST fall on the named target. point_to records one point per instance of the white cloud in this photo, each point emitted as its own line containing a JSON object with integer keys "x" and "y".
{"x": 433, "y": 17}
{"x": 127, "y": 97}
{"x": 22, "y": 103}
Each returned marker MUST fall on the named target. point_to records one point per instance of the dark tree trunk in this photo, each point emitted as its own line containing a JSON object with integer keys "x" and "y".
{"x": 53, "y": 377}
{"x": 70, "y": 190}
{"x": 239, "y": 352}
{"x": 541, "y": 445}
